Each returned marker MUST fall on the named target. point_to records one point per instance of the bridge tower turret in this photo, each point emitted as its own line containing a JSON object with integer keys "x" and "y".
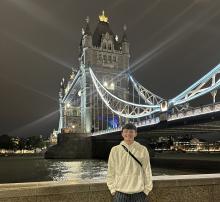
{"x": 125, "y": 47}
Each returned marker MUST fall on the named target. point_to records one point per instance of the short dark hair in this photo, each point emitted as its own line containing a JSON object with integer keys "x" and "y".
{"x": 129, "y": 126}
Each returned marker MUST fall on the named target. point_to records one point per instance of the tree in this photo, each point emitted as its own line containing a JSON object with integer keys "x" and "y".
{"x": 6, "y": 142}
{"x": 34, "y": 142}
{"x": 22, "y": 144}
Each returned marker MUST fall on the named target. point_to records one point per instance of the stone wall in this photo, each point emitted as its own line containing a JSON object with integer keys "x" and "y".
{"x": 178, "y": 188}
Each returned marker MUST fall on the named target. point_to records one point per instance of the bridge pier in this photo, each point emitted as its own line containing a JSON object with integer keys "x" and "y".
{"x": 71, "y": 146}
{"x": 83, "y": 146}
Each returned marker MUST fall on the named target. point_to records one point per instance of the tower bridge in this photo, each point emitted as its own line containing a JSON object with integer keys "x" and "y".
{"x": 101, "y": 95}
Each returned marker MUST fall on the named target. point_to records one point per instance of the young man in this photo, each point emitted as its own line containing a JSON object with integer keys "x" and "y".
{"x": 127, "y": 179}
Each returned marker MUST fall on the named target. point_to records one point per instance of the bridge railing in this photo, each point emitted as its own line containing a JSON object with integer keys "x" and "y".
{"x": 146, "y": 122}
{"x": 179, "y": 115}
{"x": 195, "y": 111}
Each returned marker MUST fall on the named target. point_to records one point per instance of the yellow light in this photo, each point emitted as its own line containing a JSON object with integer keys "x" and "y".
{"x": 105, "y": 84}
{"x": 102, "y": 17}
{"x": 164, "y": 106}
{"x": 112, "y": 86}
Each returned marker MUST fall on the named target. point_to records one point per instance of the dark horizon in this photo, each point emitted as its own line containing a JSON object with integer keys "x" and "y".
{"x": 173, "y": 44}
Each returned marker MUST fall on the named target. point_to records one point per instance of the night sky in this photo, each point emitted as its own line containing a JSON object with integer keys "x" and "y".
{"x": 173, "y": 43}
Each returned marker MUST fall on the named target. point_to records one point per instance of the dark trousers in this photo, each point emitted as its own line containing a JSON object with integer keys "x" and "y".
{"x": 136, "y": 197}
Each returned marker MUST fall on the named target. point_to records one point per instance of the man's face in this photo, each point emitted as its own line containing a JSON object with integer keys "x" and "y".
{"x": 129, "y": 134}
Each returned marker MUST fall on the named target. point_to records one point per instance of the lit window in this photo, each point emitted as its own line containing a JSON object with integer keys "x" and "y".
{"x": 105, "y": 84}
{"x": 112, "y": 86}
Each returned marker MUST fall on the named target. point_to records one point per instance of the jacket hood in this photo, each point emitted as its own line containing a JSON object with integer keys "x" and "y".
{"x": 129, "y": 146}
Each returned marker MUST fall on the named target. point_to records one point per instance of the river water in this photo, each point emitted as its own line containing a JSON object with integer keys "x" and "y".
{"x": 33, "y": 169}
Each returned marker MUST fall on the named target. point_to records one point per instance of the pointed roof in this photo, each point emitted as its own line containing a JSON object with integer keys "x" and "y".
{"x": 87, "y": 29}
{"x": 103, "y": 28}
{"x": 103, "y": 18}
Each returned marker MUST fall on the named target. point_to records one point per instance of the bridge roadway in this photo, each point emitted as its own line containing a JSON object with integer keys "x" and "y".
{"x": 207, "y": 124}
{"x": 192, "y": 118}
{"x": 98, "y": 145}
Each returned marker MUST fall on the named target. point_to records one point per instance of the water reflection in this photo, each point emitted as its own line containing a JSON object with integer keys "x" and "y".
{"x": 33, "y": 169}
{"x": 80, "y": 170}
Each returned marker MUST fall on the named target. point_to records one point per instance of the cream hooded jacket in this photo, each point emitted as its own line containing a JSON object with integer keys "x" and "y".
{"x": 124, "y": 172}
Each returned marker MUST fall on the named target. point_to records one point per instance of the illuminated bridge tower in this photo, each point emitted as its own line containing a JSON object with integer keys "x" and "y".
{"x": 108, "y": 57}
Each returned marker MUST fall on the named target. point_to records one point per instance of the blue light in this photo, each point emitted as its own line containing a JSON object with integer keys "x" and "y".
{"x": 113, "y": 122}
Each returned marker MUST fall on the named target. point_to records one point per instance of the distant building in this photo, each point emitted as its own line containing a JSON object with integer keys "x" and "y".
{"x": 53, "y": 137}
{"x": 15, "y": 140}
{"x": 189, "y": 144}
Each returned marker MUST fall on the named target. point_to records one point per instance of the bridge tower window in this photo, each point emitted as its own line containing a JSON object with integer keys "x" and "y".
{"x": 104, "y": 58}
{"x": 110, "y": 46}
{"x": 104, "y": 46}
{"x": 110, "y": 59}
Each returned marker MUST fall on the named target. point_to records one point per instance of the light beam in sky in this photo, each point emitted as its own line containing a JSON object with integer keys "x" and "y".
{"x": 179, "y": 35}
{"x": 33, "y": 124}
{"x": 41, "y": 15}
{"x": 36, "y": 50}
{"x": 28, "y": 88}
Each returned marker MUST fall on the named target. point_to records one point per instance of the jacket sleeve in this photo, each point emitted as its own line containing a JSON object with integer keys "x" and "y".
{"x": 111, "y": 172}
{"x": 148, "y": 183}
